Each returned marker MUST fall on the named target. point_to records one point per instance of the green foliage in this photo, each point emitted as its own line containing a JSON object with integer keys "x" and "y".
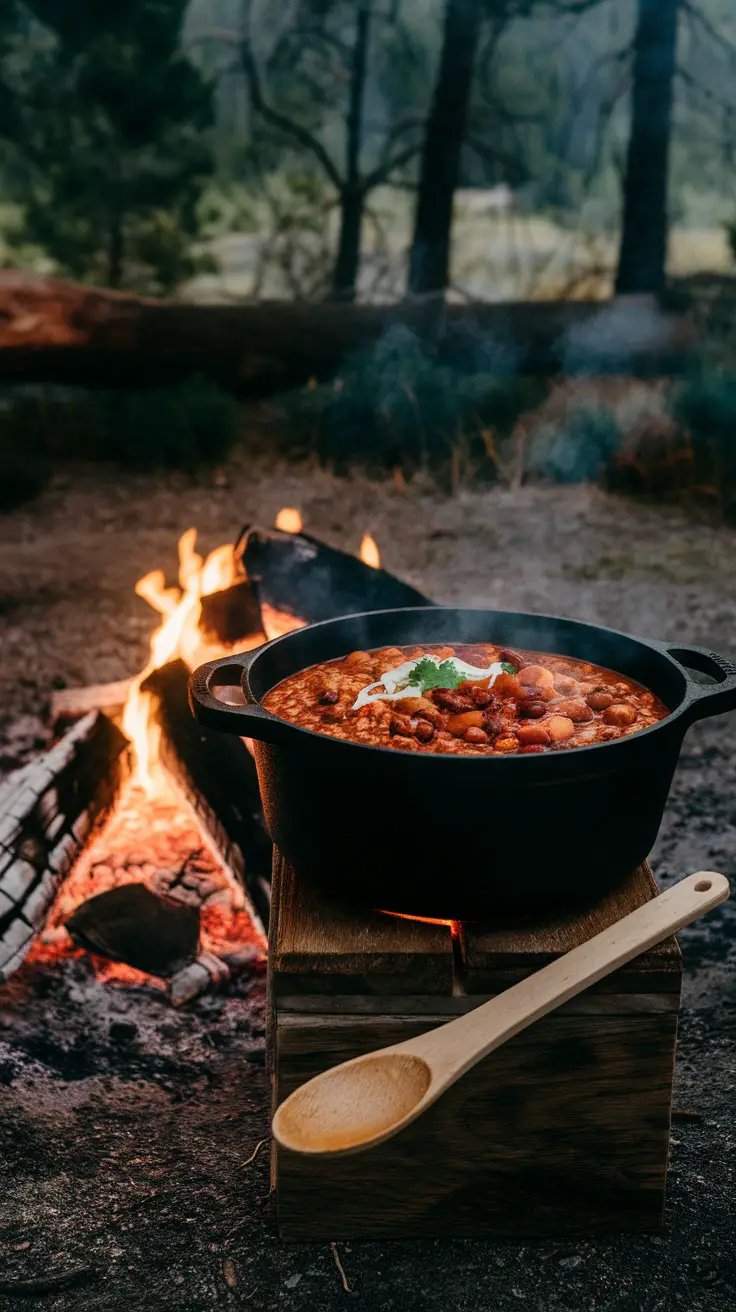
{"x": 179, "y": 427}
{"x": 578, "y": 450}
{"x": 402, "y": 405}
{"x": 428, "y": 675}
{"x": 705, "y": 407}
{"x": 112, "y": 145}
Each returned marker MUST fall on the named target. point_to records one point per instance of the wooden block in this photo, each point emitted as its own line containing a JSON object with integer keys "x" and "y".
{"x": 562, "y": 1131}
{"x": 323, "y": 948}
{"x": 495, "y": 956}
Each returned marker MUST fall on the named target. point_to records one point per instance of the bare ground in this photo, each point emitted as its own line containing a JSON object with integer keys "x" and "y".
{"x": 129, "y": 1157}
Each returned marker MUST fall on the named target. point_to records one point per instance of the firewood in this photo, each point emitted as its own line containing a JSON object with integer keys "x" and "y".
{"x": 217, "y": 777}
{"x": 48, "y": 809}
{"x": 132, "y": 924}
{"x": 54, "y": 331}
{"x": 301, "y": 576}
{"x": 69, "y": 704}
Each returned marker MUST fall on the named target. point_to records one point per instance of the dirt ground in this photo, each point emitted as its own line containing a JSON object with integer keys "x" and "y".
{"x": 128, "y": 1156}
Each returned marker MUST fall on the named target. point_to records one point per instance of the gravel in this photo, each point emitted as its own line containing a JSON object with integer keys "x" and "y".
{"x": 126, "y": 1149}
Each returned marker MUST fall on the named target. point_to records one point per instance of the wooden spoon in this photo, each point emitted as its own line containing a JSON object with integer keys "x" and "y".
{"x": 367, "y": 1100}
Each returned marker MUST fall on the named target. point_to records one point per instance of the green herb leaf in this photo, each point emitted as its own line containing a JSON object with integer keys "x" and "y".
{"x": 426, "y": 675}
{"x": 509, "y": 669}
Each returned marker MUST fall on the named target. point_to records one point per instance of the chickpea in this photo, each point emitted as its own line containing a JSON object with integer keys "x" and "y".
{"x": 559, "y": 727}
{"x": 620, "y": 714}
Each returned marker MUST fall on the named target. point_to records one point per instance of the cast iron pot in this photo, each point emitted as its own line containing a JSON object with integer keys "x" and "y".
{"x": 462, "y": 837}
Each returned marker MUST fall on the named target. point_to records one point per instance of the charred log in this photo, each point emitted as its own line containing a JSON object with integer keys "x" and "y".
{"x": 217, "y": 776}
{"x": 48, "y": 811}
{"x": 230, "y": 615}
{"x": 303, "y": 577}
{"x": 132, "y": 924}
{"x": 53, "y": 331}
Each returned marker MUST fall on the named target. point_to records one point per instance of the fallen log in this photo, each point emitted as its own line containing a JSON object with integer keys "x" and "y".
{"x": 299, "y": 576}
{"x": 69, "y": 704}
{"x": 64, "y": 332}
{"x": 217, "y": 776}
{"x": 48, "y": 810}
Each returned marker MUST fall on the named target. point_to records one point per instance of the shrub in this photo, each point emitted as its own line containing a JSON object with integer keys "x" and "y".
{"x": 578, "y": 450}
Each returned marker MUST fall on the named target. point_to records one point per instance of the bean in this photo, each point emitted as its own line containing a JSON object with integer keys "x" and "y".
{"x": 506, "y": 744}
{"x": 575, "y": 709}
{"x": 565, "y": 684}
{"x": 511, "y": 657}
{"x": 537, "y": 675}
{"x": 508, "y": 685}
{"x": 619, "y": 714}
{"x": 424, "y": 731}
{"x": 493, "y": 724}
{"x": 559, "y": 728}
{"x": 532, "y": 708}
{"x": 531, "y": 734}
{"x": 401, "y": 724}
{"x": 475, "y": 735}
{"x": 418, "y": 706}
{"x": 457, "y": 724}
{"x": 359, "y": 660}
{"x": 599, "y": 700}
{"x": 451, "y": 701}
{"x": 329, "y": 697}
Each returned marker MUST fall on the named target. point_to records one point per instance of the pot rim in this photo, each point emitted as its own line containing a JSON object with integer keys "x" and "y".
{"x": 693, "y": 704}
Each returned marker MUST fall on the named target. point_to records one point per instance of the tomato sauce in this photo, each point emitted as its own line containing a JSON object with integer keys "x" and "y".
{"x": 530, "y": 702}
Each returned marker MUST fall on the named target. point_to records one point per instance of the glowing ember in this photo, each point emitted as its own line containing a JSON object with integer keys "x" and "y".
{"x": 452, "y": 925}
{"x": 289, "y": 520}
{"x": 369, "y": 553}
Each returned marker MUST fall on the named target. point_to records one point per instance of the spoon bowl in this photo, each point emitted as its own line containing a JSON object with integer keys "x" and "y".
{"x": 365, "y": 1101}
{"x": 353, "y": 1106}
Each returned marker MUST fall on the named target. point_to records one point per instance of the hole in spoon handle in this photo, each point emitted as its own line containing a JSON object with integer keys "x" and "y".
{"x": 703, "y": 885}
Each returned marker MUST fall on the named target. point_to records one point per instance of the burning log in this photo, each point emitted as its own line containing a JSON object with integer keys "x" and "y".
{"x": 299, "y": 576}
{"x": 54, "y": 331}
{"x": 48, "y": 810}
{"x": 70, "y": 704}
{"x": 131, "y": 923}
{"x": 217, "y": 776}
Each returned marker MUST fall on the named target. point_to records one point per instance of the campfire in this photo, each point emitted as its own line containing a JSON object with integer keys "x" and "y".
{"x": 130, "y": 840}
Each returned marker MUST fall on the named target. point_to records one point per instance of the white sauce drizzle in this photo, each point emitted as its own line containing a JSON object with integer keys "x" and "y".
{"x": 394, "y": 684}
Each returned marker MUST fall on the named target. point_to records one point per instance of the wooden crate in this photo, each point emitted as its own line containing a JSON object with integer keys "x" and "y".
{"x": 563, "y": 1130}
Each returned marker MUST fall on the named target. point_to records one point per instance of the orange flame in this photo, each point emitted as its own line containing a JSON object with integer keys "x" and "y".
{"x": 177, "y": 635}
{"x": 289, "y": 520}
{"x": 369, "y": 553}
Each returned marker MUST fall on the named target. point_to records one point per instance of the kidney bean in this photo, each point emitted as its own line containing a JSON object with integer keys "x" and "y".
{"x": 532, "y": 708}
{"x": 511, "y": 657}
{"x": 506, "y": 744}
{"x": 559, "y": 727}
{"x": 529, "y": 734}
{"x": 482, "y": 697}
{"x": 329, "y": 697}
{"x": 424, "y": 731}
{"x": 537, "y": 675}
{"x": 599, "y": 700}
{"x": 457, "y": 724}
{"x": 475, "y": 735}
{"x": 619, "y": 714}
{"x": 575, "y": 709}
{"x": 401, "y": 724}
{"x": 451, "y": 701}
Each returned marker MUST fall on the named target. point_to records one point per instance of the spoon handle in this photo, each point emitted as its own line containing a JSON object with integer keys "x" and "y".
{"x": 453, "y": 1048}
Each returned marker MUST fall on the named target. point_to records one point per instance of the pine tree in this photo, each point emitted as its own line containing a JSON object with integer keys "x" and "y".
{"x": 113, "y": 136}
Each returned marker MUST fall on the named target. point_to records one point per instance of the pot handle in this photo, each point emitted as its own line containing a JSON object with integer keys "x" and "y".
{"x": 706, "y": 699}
{"x": 248, "y": 721}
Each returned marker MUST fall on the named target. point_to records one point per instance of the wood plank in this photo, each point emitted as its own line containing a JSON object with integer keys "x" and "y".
{"x": 495, "y": 956}
{"x": 563, "y": 1130}
{"x": 323, "y": 946}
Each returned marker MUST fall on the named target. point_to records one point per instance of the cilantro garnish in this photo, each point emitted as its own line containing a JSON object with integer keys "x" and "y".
{"x": 426, "y": 675}
{"x": 509, "y": 669}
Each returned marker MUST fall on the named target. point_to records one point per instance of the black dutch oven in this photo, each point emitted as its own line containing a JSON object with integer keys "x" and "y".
{"x": 463, "y": 837}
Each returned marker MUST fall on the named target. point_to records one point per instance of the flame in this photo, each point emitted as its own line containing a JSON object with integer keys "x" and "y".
{"x": 289, "y": 520}
{"x": 452, "y": 925}
{"x": 177, "y": 635}
{"x": 369, "y": 553}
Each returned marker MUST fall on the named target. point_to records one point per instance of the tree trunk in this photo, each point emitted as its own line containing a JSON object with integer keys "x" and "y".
{"x": 115, "y": 255}
{"x": 429, "y": 264}
{"x": 643, "y": 254}
{"x": 351, "y": 201}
